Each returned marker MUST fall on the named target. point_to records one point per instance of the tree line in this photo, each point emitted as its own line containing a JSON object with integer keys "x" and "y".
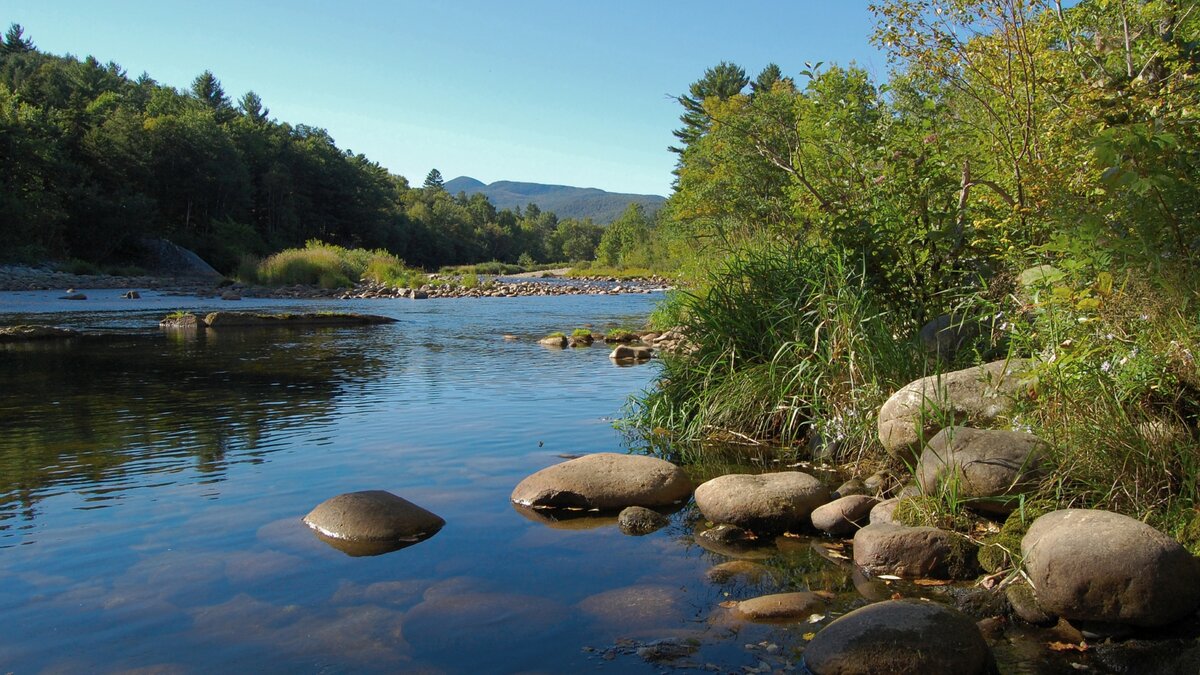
{"x": 94, "y": 159}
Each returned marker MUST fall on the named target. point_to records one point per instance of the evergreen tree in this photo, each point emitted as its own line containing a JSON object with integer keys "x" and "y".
{"x": 252, "y": 107}
{"x": 207, "y": 88}
{"x": 722, "y": 81}
{"x": 433, "y": 180}
{"x": 15, "y": 41}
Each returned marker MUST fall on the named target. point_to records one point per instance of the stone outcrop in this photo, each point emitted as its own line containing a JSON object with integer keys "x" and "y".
{"x": 1092, "y": 565}
{"x": 900, "y": 637}
{"x": 991, "y": 468}
{"x": 762, "y": 503}
{"x": 605, "y": 481}
{"x": 920, "y": 409}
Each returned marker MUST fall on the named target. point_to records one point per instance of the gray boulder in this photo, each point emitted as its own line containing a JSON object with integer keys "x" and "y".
{"x": 373, "y": 516}
{"x": 1092, "y": 565}
{"x": 559, "y": 341}
{"x": 992, "y": 467}
{"x": 900, "y": 637}
{"x": 763, "y": 503}
{"x": 843, "y": 515}
{"x": 639, "y": 520}
{"x": 631, "y": 353}
{"x": 161, "y": 257}
{"x": 920, "y": 409}
{"x": 604, "y": 481}
{"x": 888, "y": 548}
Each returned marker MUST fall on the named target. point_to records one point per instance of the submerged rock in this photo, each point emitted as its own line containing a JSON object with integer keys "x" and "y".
{"x": 377, "y": 518}
{"x": 639, "y": 520}
{"x": 993, "y": 468}
{"x": 900, "y": 637}
{"x": 922, "y": 408}
{"x": 1092, "y": 565}
{"x": 780, "y": 607}
{"x": 32, "y": 332}
{"x": 763, "y": 503}
{"x": 888, "y": 548}
{"x": 843, "y": 515}
{"x": 745, "y": 570}
{"x": 604, "y": 481}
{"x": 251, "y": 320}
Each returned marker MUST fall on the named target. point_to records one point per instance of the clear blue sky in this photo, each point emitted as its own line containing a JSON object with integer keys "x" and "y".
{"x": 549, "y": 91}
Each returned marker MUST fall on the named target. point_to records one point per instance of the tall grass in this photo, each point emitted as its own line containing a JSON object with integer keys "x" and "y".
{"x": 788, "y": 342}
{"x": 329, "y": 266}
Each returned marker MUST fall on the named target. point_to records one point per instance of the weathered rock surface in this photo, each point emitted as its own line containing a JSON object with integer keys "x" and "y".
{"x": 559, "y": 341}
{"x": 605, "y": 481}
{"x": 888, "y": 548}
{"x": 734, "y": 542}
{"x": 900, "y": 637}
{"x": 992, "y": 467}
{"x": 919, "y": 409}
{"x": 853, "y": 486}
{"x": 251, "y": 320}
{"x": 373, "y": 516}
{"x": 631, "y": 353}
{"x": 763, "y": 503}
{"x": 780, "y": 607}
{"x": 181, "y": 322}
{"x": 843, "y": 515}
{"x": 639, "y": 520}
{"x": 732, "y": 570}
{"x": 1093, "y": 565}
{"x": 882, "y": 512}
{"x": 32, "y": 332}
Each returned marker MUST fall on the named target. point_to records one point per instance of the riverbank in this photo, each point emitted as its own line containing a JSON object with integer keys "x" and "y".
{"x": 40, "y": 278}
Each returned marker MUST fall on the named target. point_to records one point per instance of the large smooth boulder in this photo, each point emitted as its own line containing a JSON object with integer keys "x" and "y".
{"x": 372, "y": 516}
{"x": 631, "y": 353}
{"x": 796, "y": 606}
{"x": 605, "y": 481}
{"x": 1092, "y": 565}
{"x": 900, "y": 637}
{"x": 992, "y": 468}
{"x": 920, "y": 409}
{"x": 763, "y": 503}
{"x": 843, "y": 515}
{"x": 889, "y": 548}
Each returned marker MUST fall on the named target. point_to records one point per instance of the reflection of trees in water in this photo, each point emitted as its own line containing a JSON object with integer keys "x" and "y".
{"x": 90, "y": 415}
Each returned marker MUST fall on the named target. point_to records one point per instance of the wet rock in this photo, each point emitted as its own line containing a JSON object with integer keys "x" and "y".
{"x": 33, "y": 332}
{"x": 900, "y": 637}
{"x": 667, "y": 650}
{"x": 853, "y": 486}
{"x": 231, "y": 295}
{"x": 635, "y": 607}
{"x": 639, "y": 520}
{"x": 920, "y": 409}
{"x": 732, "y": 570}
{"x": 73, "y": 296}
{"x": 780, "y": 607}
{"x": 372, "y": 517}
{"x": 1024, "y": 605}
{"x": 252, "y": 320}
{"x": 631, "y": 353}
{"x": 888, "y": 548}
{"x": 882, "y": 512}
{"x": 417, "y": 294}
{"x": 567, "y": 519}
{"x": 842, "y": 516}
{"x": 763, "y": 503}
{"x": 733, "y": 541}
{"x": 993, "y": 468}
{"x": 584, "y": 340}
{"x": 604, "y": 481}
{"x": 559, "y": 341}
{"x": 181, "y": 322}
{"x": 1093, "y": 565}
{"x": 131, "y": 295}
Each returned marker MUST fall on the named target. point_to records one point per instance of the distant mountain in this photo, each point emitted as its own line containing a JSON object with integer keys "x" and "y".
{"x": 564, "y": 200}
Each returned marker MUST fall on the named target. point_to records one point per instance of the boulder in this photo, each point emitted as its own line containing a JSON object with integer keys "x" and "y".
{"x": 181, "y": 321}
{"x": 32, "y": 332}
{"x": 842, "y": 516}
{"x": 889, "y": 548}
{"x": 131, "y": 295}
{"x": 624, "y": 352}
{"x": 780, "y": 607}
{"x": 882, "y": 512}
{"x": 734, "y": 542}
{"x": 373, "y": 516}
{"x": 254, "y": 320}
{"x": 992, "y": 467}
{"x": 163, "y": 258}
{"x": 559, "y": 341}
{"x": 920, "y": 409}
{"x": 763, "y": 503}
{"x": 900, "y": 637}
{"x": 605, "y": 481}
{"x": 639, "y": 520}
{"x": 853, "y": 486}
{"x": 1092, "y": 565}
{"x": 73, "y": 296}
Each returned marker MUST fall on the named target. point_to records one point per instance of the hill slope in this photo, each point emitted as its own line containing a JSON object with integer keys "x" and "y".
{"x": 564, "y": 200}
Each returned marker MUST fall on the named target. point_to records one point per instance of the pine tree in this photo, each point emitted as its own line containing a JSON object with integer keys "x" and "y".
{"x": 723, "y": 81}
{"x": 433, "y": 180}
{"x": 15, "y": 41}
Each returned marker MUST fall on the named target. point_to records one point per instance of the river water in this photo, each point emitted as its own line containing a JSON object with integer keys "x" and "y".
{"x": 152, "y": 487}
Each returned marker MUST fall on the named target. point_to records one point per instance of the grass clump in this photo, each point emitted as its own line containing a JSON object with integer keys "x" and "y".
{"x": 788, "y": 341}
{"x": 581, "y": 333}
{"x": 328, "y": 266}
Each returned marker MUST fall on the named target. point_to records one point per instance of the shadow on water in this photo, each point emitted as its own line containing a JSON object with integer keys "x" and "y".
{"x": 89, "y": 414}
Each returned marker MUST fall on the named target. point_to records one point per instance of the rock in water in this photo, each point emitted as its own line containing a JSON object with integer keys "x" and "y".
{"x": 900, "y": 637}
{"x": 639, "y": 520}
{"x": 631, "y": 353}
{"x": 781, "y": 607}
{"x": 30, "y": 332}
{"x": 372, "y": 517}
{"x": 842, "y": 516}
{"x": 604, "y": 481}
{"x": 762, "y": 503}
{"x": 888, "y": 548}
{"x": 1092, "y": 565}
{"x": 920, "y": 409}
{"x": 993, "y": 467}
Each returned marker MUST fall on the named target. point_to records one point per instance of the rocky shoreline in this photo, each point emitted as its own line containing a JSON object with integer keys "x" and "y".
{"x": 42, "y": 278}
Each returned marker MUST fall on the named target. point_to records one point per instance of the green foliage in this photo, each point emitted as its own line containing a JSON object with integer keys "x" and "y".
{"x": 581, "y": 333}
{"x": 330, "y": 266}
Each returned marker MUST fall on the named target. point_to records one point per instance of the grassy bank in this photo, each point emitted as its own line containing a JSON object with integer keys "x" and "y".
{"x": 329, "y": 266}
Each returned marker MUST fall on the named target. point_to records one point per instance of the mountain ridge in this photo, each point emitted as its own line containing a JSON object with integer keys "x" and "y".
{"x": 566, "y": 201}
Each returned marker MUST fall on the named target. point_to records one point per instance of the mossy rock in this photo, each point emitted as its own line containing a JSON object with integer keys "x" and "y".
{"x": 926, "y": 511}
{"x": 997, "y": 550}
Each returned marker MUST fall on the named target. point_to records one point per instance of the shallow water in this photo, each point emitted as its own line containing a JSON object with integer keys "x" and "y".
{"x": 152, "y": 485}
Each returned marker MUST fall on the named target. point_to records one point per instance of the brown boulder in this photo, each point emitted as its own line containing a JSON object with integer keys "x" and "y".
{"x": 780, "y": 607}
{"x": 888, "y": 548}
{"x": 604, "y": 481}
{"x": 842, "y": 516}
{"x": 373, "y": 516}
{"x": 993, "y": 468}
{"x": 763, "y": 503}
